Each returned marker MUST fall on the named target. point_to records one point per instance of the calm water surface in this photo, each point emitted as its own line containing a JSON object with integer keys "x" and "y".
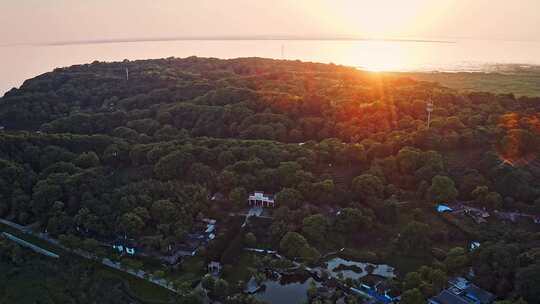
{"x": 21, "y": 62}
{"x": 286, "y": 290}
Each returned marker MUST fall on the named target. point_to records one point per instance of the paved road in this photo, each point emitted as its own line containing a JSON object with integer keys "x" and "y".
{"x": 84, "y": 254}
{"x": 30, "y": 245}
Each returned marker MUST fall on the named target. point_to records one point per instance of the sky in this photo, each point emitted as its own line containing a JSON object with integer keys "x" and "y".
{"x": 43, "y": 21}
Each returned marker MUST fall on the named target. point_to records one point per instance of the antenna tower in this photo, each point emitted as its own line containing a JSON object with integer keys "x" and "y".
{"x": 429, "y": 109}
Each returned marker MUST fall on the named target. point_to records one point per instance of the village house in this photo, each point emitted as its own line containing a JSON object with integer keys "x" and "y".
{"x": 125, "y": 246}
{"x": 259, "y": 199}
{"x": 201, "y": 234}
{"x": 461, "y": 291}
{"x": 214, "y": 268}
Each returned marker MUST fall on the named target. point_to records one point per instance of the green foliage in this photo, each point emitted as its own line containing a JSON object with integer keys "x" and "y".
{"x": 289, "y": 197}
{"x": 295, "y": 245}
{"x": 528, "y": 283}
{"x": 250, "y": 239}
{"x": 414, "y": 239}
{"x": 315, "y": 228}
{"x": 292, "y": 243}
{"x": 367, "y": 185}
{"x": 412, "y": 296}
{"x": 131, "y": 224}
{"x": 456, "y": 260}
{"x": 173, "y": 165}
{"x": 442, "y": 189}
{"x": 238, "y": 196}
{"x": 351, "y": 220}
{"x": 143, "y": 158}
{"x": 87, "y": 160}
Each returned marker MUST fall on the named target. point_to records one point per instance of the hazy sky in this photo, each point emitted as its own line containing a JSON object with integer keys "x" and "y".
{"x": 31, "y": 21}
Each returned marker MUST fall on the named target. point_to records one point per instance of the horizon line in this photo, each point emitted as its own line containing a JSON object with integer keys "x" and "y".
{"x": 229, "y": 38}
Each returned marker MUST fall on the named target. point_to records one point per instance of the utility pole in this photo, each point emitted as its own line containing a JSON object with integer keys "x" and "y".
{"x": 429, "y": 109}
{"x": 127, "y": 74}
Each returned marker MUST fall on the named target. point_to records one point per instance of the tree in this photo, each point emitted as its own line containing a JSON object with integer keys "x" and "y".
{"x": 221, "y": 288}
{"x": 131, "y": 223}
{"x": 173, "y": 165}
{"x": 309, "y": 254}
{"x": 226, "y": 158}
{"x": 315, "y": 228}
{"x": 388, "y": 212}
{"x": 493, "y": 200}
{"x": 528, "y": 283}
{"x": 442, "y": 190}
{"x": 408, "y": 160}
{"x": 70, "y": 241}
{"x": 412, "y": 280}
{"x": 250, "y": 239}
{"x": 414, "y": 239}
{"x": 367, "y": 185}
{"x": 351, "y": 220}
{"x": 238, "y": 196}
{"x": 439, "y": 279}
{"x": 287, "y": 173}
{"x": 289, "y": 197}
{"x": 292, "y": 244}
{"x": 208, "y": 282}
{"x": 479, "y": 193}
{"x": 193, "y": 297}
{"x": 495, "y": 266}
{"x": 412, "y": 296}
{"x": 164, "y": 211}
{"x": 456, "y": 260}
{"x": 87, "y": 160}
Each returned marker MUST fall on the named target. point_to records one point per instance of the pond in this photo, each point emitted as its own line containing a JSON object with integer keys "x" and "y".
{"x": 356, "y": 270}
{"x": 287, "y": 289}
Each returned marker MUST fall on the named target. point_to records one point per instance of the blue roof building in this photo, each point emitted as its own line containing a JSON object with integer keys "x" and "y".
{"x": 444, "y": 208}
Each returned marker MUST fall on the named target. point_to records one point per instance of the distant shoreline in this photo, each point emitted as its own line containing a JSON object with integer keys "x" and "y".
{"x": 226, "y": 38}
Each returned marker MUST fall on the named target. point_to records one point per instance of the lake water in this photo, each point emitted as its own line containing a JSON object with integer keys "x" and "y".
{"x": 288, "y": 289}
{"x": 20, "y": 62}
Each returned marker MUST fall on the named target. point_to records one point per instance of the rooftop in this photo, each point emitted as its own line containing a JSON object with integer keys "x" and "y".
{"x": 446, "y": 297}
{"x": 479, "y": 295}
{"x": 444, "y": 208}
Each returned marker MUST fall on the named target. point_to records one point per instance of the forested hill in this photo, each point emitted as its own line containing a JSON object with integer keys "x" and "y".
{"x": 89, "y": 149}
{"x": 243, "y": 98}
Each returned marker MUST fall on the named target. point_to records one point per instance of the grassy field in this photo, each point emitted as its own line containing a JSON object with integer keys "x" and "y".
{"x": 519, "y": 83}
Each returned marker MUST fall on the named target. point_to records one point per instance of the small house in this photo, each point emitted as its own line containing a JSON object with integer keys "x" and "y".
{"x": 259, "y": 199}
{"x": 478, "y": 295}
{"x": 447, "y": 297}
{"x": 214, "y": 268}
{"x": 461, "y": 291}
{"x": 474, "y": 245}
{"x": 125, "y": 246}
